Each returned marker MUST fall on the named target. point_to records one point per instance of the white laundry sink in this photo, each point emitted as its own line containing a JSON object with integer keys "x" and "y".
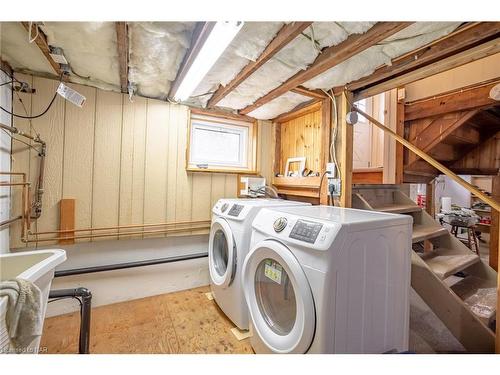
{"x": 36, "y": 266}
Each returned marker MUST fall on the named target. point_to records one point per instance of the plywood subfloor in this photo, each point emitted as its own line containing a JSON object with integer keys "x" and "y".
{"x": 180, "y": 322}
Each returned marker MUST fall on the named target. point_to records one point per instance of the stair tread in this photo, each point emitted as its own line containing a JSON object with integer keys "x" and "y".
{"x": 423, "y": 232}
{"x": 443, "y": 262}
{"x": 479, "y": 295}
{"x": 398, "y": 208}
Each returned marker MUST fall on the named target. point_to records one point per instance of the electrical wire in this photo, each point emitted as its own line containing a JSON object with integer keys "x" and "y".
{"x": 36, "y": 116}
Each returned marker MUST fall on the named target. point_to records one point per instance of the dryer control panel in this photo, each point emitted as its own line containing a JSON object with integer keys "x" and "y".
{"x": 307, "y": 231}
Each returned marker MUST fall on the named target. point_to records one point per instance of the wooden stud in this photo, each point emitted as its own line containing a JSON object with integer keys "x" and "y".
{"x": 483, "y": 50}
{"x": 67, "y": 220}
{"x": 326, "y": 123}
{"x": 400, "y": 125}
{"x": 465, "y": 37}
{"x": 285, "y": 35}
{"x": 331, "y": 57}
{"x": 41, "y": 42}
{"x": 344, "y": 148}
{"x": 122, "y": 44}
{"x": 200, "y": 35}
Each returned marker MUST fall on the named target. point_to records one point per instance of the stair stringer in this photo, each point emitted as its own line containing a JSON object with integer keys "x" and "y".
{"x": 472, "y": 333}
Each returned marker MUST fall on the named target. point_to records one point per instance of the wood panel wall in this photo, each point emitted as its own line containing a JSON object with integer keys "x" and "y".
{"x": 301, "y": 136}
{"x": 123, "y": 162}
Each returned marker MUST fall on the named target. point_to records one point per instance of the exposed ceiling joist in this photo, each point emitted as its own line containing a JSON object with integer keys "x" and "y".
{"x": 463, "y": 38}
{"x": 331, "y": 57}
{"x": 287, "y": 33}
{"x": 317, "y": 94}
{"x": 219, "y": 112}
{"x": 462, "y": 58}
{"x": 200, "y": 35}
{"x": 122, "y": 44}
{"x": 41, "y": 41}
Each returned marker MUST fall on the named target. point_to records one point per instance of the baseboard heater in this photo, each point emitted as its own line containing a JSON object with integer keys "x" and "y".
{"x": 120, "y": 266}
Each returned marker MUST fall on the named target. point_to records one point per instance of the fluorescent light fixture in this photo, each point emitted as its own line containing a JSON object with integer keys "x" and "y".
{"x": 217, "y": 41}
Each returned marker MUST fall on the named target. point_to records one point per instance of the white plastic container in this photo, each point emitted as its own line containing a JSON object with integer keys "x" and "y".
{"x": 36, "y": 266}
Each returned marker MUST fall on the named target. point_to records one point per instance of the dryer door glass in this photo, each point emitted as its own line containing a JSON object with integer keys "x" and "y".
{"x": 220, "y": 252}
{"x": 275, "y": 296}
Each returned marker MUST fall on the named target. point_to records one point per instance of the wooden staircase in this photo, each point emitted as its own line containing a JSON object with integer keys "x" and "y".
{"x": 452, "y": 280}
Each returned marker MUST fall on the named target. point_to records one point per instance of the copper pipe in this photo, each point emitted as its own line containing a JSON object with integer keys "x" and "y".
{"x": 9, "y": 221}
{"x": 13, "y": 173}
{"x": 131, "y": 226}
{"x": 164, "y": 231}
{"x": 13, "y": 183}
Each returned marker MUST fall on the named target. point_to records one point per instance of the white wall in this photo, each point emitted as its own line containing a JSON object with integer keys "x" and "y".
{"x": 127, "y": 284}
{"x": 446, "y": 187}
{"x": 5, "y": 141}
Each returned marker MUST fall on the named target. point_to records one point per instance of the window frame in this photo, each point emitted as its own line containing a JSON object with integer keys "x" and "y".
{"x": 251, "y": 144}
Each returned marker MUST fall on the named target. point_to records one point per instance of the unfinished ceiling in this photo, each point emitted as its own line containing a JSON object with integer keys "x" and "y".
{"x": 156, "y": 51}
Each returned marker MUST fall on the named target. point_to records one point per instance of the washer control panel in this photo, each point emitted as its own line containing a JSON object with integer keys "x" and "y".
{"x": 306, "y": 231}
{"x": 235, "y": 210}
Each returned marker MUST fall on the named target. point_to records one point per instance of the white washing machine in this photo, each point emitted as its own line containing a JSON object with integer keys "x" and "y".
{"x": 323, "y": 279}
{"x": 229, "y": 243}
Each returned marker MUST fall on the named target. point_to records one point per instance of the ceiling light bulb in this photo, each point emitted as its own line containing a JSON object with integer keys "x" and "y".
{"x": 495, "y": 92}
{"x": 219, "y": 38}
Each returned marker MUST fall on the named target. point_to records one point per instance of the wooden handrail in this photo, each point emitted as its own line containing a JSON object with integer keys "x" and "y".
{"x": 429, "y": 159}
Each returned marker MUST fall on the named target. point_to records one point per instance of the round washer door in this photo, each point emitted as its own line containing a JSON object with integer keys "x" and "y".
{"x": 221, "y": 253}
{"x": 279, "y": 298}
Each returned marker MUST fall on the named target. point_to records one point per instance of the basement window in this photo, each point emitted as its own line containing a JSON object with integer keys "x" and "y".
{"x": 221, "y": 145}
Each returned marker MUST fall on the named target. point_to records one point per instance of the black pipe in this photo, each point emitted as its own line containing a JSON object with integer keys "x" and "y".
{"x": 85, "y": 298}
{"x": 119, "y": 266}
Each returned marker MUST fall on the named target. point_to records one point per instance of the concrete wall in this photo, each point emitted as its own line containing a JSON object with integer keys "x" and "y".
{"x": 5, "y": 145}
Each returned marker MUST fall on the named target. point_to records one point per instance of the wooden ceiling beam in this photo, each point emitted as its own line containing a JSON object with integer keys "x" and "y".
{"x": 465, "y": 37}
{"x": 461, "y": 100}
{"x": 122, "y": 45}
{"x": 286, "y": 34}
{"x": 316, "y": 94}
{"x": 469, "y": 55}
{"x": 200, "y": 35}
{"x": 331, "y": 57}
{"x": 41, "y": 41}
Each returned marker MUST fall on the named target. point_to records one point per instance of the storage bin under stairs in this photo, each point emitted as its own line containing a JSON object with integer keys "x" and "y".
{"x": 453, "y": 280}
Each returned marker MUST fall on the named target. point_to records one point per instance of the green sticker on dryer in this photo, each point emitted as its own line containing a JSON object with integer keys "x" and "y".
{"x": 273, "y": 271}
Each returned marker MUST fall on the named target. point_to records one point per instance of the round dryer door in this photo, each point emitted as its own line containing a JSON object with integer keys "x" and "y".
{"x": 221, "y": 253}
{"x": 279, "y": 298}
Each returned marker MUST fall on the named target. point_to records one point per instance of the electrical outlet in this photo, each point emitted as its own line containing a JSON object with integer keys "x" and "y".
{"x": 334, "y": 186}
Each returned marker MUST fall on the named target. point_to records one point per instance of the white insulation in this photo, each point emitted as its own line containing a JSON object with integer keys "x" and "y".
{"x": 91, "y": 51}
{"x": 365, "y": 63}
{"x": 156, "y": 50}
{"x": 18, "y": 52}
{"x": 156, "y": 53}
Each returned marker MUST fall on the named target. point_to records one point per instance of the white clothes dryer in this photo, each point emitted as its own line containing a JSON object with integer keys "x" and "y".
{"x": 323, "y": 279}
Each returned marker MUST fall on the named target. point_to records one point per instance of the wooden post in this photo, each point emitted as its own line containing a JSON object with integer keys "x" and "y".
{"x": 494, "y": 250}
{"x": 344, "y": 148}
{"x": 67, "y": 219}
{"x": 400, "y": 126}
{"x": 429, "y": 199}
{"x": 495, "y": 223}
{"x": 326, "y": 123}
